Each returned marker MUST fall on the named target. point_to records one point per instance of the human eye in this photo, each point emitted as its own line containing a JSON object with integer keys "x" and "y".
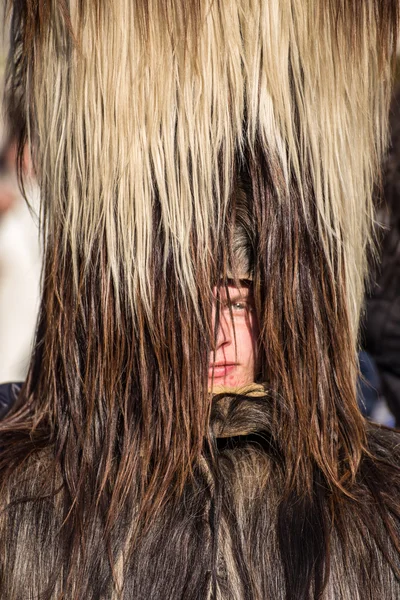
{"x": 239, "y": 306}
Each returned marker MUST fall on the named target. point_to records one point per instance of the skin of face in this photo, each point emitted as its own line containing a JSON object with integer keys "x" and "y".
{"x": 234, "y": 362}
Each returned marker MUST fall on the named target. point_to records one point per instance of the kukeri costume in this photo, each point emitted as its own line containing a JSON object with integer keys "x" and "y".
{"x": 120, "y": 476}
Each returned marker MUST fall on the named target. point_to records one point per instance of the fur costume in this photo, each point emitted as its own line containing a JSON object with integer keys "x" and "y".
{"x": 120, "y": 477}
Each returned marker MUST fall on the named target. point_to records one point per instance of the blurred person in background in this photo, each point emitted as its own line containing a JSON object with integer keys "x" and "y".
{"x": 20, "y": 264}
{"x": 381, "y": 329}
{"x": 20, "y": 256}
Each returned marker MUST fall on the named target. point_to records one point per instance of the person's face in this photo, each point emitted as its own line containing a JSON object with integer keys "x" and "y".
{"x": 234, "y": 361}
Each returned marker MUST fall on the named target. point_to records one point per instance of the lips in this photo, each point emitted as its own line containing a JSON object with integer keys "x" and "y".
{"x": 219, "y": 370}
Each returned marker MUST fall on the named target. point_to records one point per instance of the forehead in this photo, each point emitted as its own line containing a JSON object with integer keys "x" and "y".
{"x": 231, "y": 288}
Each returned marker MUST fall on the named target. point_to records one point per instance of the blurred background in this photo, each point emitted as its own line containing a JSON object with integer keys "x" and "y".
{"x": 20, "y": 265}
{"x": 20, "y": 256}
{"x": 380, "y": 328}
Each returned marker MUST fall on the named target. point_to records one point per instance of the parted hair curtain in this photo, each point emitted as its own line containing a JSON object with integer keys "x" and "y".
{"x": 149, "y": 121}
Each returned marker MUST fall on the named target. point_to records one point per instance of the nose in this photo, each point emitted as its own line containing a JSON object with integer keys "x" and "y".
{"x": 224, "y": 336}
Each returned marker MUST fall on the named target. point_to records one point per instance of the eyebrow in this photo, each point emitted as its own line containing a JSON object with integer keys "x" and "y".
{"x": 243, "y": 283}
{"x": 243, "y": 292}
{"x": 235, "y": 295}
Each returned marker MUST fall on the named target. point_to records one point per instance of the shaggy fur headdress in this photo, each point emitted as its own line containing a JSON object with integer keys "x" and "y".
{"x": 143, "y": 117}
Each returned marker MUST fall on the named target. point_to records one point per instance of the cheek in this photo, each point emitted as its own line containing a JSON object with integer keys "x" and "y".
{"x": 246, "y": 340}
